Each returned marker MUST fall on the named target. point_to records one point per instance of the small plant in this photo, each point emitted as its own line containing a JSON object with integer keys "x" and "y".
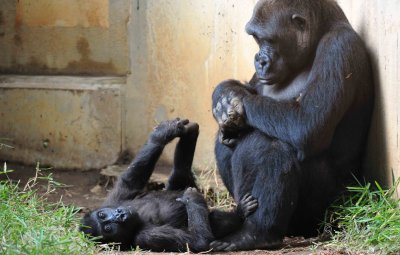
{"x": 368, "y": 221}
{"x": 31, "y": 225}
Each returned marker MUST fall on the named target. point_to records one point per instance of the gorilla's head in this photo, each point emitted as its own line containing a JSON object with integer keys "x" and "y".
{"x": 111, "y": 225}
{"x": 287, "y": 33}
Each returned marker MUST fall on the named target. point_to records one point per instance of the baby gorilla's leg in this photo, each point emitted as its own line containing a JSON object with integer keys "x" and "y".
{"x": 182, "y": 175}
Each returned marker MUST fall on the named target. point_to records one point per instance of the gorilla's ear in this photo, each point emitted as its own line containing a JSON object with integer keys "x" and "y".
{"x": 299, "y": 21}
{"x": 88, "y": 225}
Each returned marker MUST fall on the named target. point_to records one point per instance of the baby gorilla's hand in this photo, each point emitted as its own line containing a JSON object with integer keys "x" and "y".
{"x": 167, "y": 130}
{"x": 247, "y": 205}
{"x": 191, "y": 195}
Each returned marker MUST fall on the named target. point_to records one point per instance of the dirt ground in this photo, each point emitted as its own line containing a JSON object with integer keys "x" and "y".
{"x": 87, "y": 190}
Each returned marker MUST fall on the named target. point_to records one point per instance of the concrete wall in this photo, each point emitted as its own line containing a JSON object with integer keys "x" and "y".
{"x": 64, "y": 121}
{"x": 172, "y": 53}
{"x": 179, "y": 51}
{"x": 64, "y": 37}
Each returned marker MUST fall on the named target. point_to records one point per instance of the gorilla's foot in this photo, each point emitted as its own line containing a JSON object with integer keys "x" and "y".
{"x": 191, "y": 127}
{"x": 246, "y": 239}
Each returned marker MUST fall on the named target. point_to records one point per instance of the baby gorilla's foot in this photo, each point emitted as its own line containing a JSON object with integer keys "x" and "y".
{"x": 166, "y": 131}
{"x": 247, "y": 205}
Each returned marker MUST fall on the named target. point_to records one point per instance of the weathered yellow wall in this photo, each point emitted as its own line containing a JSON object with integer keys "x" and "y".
{"x": 66, "y": 37}
{"x": 179, "y": 51}
{"x": 65, "y": 122}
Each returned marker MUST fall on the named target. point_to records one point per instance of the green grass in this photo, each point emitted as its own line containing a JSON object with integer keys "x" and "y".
{"x": 368, "y": 221}
{"x": 32, "y": 225}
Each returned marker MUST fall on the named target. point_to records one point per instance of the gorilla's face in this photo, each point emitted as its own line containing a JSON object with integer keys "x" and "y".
{"x": 111, "y": 224}
{"x": 283, "y": 37}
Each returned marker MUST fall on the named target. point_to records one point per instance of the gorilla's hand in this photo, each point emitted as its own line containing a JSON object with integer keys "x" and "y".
{"x": 247, "y": 205}
{"x": 218, "y": 245}
{"x": 166, "y": 131}
{"x": 229, "y": 111}
{"x": 191, "y": 195}
{"x": 230, "y": 115}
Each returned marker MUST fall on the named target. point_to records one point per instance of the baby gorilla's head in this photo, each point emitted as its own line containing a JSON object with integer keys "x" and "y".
{"x": 111, "y": 225}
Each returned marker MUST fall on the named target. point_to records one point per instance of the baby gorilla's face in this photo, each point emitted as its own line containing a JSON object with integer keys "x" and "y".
{"x": 111, "y": 224}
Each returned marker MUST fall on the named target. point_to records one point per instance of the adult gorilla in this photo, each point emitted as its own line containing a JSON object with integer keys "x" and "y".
{"x": 294, "y": 136}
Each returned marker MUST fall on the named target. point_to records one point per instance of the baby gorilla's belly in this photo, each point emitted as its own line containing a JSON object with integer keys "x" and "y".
{"x": 161, "y": 208}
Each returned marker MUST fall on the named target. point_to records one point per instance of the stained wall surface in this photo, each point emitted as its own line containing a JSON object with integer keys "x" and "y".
{"x": 69, "y": 37}
{"x": 67, "y": 121}
{"x": 180, "y": 50}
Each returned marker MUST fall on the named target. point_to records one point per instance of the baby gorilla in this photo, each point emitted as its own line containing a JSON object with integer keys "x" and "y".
{"x": 172, "y": 220}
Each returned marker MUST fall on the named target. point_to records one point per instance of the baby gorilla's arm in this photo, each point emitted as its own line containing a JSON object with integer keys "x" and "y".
{"x": 198, "y": 219}
{"x": 224, "y": 223}
{"x": 205, "y": 227}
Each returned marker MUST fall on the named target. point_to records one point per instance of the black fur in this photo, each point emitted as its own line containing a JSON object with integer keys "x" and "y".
{"x": 296, "y": 142}
{"x": 171, "y": 220}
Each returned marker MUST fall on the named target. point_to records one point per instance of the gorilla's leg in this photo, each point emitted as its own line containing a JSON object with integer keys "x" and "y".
{"x": 269, "y": 170}
{"x": 223, "y": 155}
{"x": 182, "y": 176}
{"x": 318, "y": 190}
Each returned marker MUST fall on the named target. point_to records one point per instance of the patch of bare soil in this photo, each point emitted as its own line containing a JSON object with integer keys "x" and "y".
{"x": 87, "y": 190}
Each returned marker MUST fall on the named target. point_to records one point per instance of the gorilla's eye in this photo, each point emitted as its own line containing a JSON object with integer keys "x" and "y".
{"x": 101, "y": 215}
{"x": 107, "y": 228}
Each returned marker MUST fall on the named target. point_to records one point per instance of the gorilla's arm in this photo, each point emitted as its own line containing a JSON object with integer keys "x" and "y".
{"x": 197, "y": 237}
{"x": 163, "y": 238}
{"x": 134, "y": 179}
{"x": 308, "y": 122}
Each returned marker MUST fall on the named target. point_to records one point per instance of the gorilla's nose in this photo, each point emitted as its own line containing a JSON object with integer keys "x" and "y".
{"x": 263, "y": 63}
{"x": 120, "y": 215}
